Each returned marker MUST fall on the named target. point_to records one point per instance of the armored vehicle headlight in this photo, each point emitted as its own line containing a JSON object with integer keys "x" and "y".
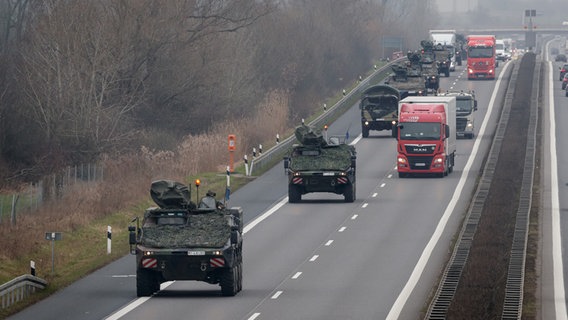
{"x": 148, "y": 253}
{"x": 296, "y": 173}
{"x": 470, "y": 124}
{"x": 217, "y": 253}
{"x": 366, "y": 123}
{"x": 393, "y": 122}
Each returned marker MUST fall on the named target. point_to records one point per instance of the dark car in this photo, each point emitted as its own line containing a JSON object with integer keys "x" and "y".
{"x": 560, "y": 57}
{"x": 564, "y": 81}
{"x": 563, "y": 71}
{"x": 566, "y": 91}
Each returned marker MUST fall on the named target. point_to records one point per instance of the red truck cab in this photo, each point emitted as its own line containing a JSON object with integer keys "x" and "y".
{"x": 481, "y": 59}
{"x": 426, "y": 136}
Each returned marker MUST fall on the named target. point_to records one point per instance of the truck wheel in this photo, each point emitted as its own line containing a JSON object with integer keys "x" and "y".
{"x": 240, "y": 273}
{"x": 229, "y": 282}
{"x": 402, "y": 175}
{"x": 146, "y": 283}
{"x": 294, "y": 195}
{"x": 349, "y": 194}
{"x": 365, "y": 132}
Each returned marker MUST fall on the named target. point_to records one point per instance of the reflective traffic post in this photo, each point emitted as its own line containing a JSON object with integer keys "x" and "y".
{"x": 53, "y": 236}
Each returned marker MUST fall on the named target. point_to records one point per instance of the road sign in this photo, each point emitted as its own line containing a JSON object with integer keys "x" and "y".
{"x": 53, "y": 236}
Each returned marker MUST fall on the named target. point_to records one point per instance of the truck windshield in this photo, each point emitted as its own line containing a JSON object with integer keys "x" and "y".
{"x": 464, "y": 106}
{"x": 480, "y": 52}
{"x": 420, "y": 131}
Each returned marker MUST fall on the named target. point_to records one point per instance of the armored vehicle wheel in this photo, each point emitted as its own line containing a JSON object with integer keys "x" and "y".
{"x": 349, "y": 194}
{"x": 229, "y": 285}
{"x": 294, "y": 194}
{"x": 240, "y": 273}
{"x": 365, "y": 132}
{"x": 146, "y": 283}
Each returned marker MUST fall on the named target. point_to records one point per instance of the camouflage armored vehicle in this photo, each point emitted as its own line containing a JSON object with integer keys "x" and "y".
{"x": 316, "y": 165}
{"x": 379, "y": 109}
{"x": 429, "y": 66}
{"x": 184, "y": 241}
{"x": 466, "y": 105}
{"x": 444, "y": 58}
{"x": 407, "y": 77}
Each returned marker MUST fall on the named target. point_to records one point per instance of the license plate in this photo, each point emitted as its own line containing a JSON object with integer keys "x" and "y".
{"x": 329, "y": 173}
{"x": 420, "y": 164}
{"x": 196, "y": 253}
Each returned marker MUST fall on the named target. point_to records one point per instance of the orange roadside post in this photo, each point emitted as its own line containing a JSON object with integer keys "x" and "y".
{"x": 231, "y": 147}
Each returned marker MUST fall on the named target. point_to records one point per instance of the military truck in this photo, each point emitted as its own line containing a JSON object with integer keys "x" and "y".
{"x": 379, "y": 108}
{"x": 444, "y": 58}
{"x": 466, "y": 105}
{"x": 407, "y": 77}
{"x": 317, "y": 165}
{"x": 182, "y": 240}
{"x": 429, "y": 66}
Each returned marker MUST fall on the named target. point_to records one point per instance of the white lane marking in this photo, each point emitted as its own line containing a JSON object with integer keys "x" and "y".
{"x": 342, "y": 229}
{"x": 265, "y": 215}
{"x": 254, "y": 316}
{"x": 120, "y": 313}
{"x": 364, "y": 205}
{"x": 297, "y": 275}
{"x": 375, "y": 195}
{"x": 402, "y": 298}
{"x": 557, "y": 263}
{"x": 314, "y": 258}
{"x": 328, "y": 243}
{"x": 389, "y": 176}
{"x": 124, "y": 276}
{"x": 383, "y": 185}
{"x": 276, "y": 295}
{"x": 354, "y": 216}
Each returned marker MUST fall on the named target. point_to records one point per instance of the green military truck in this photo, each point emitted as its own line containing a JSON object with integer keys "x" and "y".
{"x": 379, "y": 108}
{"x": 181, "y": 240}
{"x": 317, "y": 165}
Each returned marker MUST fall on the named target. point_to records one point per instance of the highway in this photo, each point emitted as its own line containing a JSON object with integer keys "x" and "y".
{"x": 553, "y": 222}
{"x": 377, "y": 258}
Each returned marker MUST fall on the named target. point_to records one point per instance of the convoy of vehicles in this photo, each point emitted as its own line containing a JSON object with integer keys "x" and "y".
{"x": 317, "y": 165}
{"x": 426, "y": 141}
{"x": 182, "y": 240}
{"x": 481, "y": 57}
{"x": 379, "y": 108}
{"x": 466, "y": 105}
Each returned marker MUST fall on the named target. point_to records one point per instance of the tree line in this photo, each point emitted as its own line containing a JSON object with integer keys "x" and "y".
{"x": 83, "y": 79}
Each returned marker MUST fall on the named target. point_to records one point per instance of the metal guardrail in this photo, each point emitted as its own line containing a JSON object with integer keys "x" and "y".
{"x": 20, "y": 288}
{"x": 277, "y": 152}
